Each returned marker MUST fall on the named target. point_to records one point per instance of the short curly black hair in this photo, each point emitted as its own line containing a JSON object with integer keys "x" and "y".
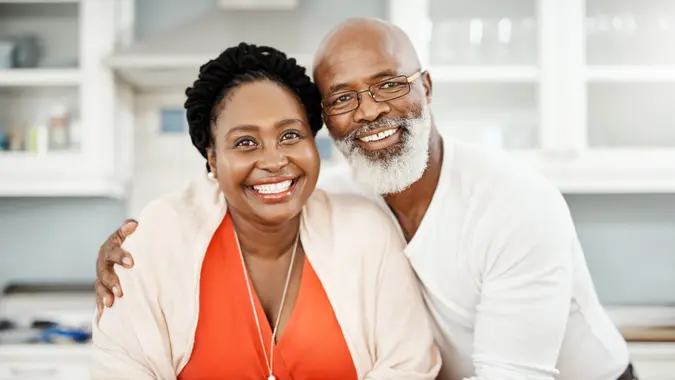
{"x": 241, "y": 64}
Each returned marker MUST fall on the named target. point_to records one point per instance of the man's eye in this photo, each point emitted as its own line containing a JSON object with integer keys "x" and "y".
{"x": 342, "y": 99}
{"x": 390, "y": 85}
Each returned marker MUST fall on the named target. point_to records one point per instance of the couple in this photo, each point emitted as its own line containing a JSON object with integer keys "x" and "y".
{"x": 251, "y": 273}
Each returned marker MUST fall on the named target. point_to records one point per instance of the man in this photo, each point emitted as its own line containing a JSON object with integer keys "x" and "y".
{"x": 493, "y": 244}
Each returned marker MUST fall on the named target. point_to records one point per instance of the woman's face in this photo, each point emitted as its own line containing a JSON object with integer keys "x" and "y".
{"x": 264, "y": 155}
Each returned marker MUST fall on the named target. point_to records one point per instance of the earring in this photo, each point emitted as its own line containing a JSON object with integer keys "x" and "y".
{"x": 211, "y": 176}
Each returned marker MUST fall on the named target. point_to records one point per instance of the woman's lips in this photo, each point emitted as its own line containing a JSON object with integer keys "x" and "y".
{"x": 274, "y": 192}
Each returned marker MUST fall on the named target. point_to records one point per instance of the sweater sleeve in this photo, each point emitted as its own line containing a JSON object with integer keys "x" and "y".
{"x": 405, "y": 347}
{"x": 131, "y": 339}
{"x": 526, "y": 286}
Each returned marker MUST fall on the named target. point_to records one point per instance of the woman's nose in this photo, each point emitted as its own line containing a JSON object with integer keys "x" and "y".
{"x": 273, "y": 159}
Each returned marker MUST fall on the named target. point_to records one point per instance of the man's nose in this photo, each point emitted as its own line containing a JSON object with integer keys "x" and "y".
{"x": 369, "y": 110}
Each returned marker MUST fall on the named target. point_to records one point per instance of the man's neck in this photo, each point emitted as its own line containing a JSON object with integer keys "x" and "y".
{"x": 410, "y": 205}
{"x": 265, "y": 241}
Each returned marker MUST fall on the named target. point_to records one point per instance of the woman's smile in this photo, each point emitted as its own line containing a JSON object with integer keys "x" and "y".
{"x": 274, "y": 189}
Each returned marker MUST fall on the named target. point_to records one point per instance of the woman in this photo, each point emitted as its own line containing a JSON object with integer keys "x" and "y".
{"x": 249, "y": 273}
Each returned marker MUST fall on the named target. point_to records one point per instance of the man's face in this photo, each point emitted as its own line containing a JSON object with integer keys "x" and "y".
{"x": 386, "y": 143}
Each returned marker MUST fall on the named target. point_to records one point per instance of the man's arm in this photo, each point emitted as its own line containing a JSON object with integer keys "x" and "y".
{"x": 526, "y": 287}
{"x": 110, "y": 253}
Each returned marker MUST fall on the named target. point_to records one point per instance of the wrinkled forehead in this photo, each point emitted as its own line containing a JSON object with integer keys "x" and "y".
{"x": 357, "y": 63}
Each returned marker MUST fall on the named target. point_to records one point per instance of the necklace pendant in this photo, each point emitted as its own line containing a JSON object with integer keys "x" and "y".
{"x": 271, "y": 377}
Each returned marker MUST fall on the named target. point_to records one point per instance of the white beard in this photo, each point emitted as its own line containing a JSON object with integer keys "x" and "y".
{"x": 394, "y": 172}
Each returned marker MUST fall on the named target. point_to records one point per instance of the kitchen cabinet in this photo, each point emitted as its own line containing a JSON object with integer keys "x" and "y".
{"x": 73, "y": 152}
{"x": 581, "y": 89}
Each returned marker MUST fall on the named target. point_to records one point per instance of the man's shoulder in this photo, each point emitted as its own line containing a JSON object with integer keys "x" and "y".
{"x": 496, "y": 180}
{"x": 496, "y": 170}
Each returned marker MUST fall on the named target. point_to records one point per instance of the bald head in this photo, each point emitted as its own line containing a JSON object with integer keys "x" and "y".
{"x": 360, "y": 35}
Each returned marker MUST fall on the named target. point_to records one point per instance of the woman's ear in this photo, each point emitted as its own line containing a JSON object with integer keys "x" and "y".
{"x": 211, "y": 158}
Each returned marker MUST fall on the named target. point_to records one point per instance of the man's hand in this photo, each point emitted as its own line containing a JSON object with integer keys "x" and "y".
{"x": 111, "y": 253}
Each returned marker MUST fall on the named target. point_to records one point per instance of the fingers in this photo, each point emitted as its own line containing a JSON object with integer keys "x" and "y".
{"x": 128, "y": 228}
{"x": 110, "y": 281}
{"x": 109, "y": 254}
{"x": 116, "y": 255}
{"x": 113, "y": 252}
{"x": 104, "y": 298}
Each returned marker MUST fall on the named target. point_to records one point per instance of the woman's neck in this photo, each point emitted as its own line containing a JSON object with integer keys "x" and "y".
{"x": 265, "y": 241}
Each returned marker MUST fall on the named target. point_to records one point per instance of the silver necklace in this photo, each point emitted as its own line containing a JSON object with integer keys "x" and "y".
{"x": 270, "y": 361}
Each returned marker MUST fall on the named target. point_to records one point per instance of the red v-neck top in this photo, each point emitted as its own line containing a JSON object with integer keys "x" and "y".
{"x": 227, "y": 345}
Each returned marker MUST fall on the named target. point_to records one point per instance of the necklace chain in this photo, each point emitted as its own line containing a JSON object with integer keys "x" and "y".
{"x": 270, "y": 361}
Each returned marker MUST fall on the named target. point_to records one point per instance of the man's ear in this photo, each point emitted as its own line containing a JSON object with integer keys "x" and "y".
{"x": 428, "y": 86}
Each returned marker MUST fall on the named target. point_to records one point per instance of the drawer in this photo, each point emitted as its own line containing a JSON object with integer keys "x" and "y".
{"x": 653, "y": 361}
{"x": 44, "y": 371}
{"x": 647, "y": 370}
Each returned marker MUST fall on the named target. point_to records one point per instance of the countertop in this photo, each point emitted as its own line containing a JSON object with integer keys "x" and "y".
{"x": 649, "y": 334}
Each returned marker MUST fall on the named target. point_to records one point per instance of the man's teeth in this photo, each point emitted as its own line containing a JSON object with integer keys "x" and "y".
{"x": 273, "y": 188}
{"x": 378, "y": 136}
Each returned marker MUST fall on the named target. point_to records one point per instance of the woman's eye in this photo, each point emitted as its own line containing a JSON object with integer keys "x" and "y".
{"x": 291, "y": 135}
{"x": 244, "y": 143}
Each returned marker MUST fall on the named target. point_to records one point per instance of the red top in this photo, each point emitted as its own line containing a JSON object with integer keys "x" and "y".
{"x": 227, "y": 345}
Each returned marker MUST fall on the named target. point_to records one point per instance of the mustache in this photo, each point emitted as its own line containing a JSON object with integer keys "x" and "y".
{"x": 390, "y": 122}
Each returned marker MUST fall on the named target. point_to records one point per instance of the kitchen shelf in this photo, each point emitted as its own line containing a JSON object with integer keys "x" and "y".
{"x": 604, "y": 171}
{"x": 38, "y": 1}
{"x": 505, "y": 74}
{"x": 630, "y": 74}
{"x": 39, "y": 77}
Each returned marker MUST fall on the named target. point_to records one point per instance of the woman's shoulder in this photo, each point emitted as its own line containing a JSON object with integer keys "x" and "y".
{"x": 350, "y": 212}
{"x": 347, "y": 203}
{"x": 172, "y": 225}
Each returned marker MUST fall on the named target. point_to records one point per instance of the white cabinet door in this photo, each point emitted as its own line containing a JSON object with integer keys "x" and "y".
{"x": 43, "y": 371}
{"x": 44, "y": 362}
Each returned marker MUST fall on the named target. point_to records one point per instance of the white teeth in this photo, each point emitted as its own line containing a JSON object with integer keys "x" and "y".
{"x": 378, "y": 136}
{"x": 273, "y": 188}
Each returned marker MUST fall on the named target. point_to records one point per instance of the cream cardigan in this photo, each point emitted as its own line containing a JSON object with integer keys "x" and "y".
{"x": 352, "y": 245}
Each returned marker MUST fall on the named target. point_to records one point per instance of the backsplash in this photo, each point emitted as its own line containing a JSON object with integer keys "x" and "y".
{"x": 54, "y": 239}
{"x": 629, "y": 241}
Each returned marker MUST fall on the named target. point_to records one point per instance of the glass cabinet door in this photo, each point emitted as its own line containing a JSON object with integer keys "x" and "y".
{"x": 482, "y": 57}
{"x": 483, "y": 32}
{"x": 630, "y": 57}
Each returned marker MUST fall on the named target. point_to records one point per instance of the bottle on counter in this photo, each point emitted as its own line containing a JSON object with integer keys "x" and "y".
{"x": 58, "y": 127}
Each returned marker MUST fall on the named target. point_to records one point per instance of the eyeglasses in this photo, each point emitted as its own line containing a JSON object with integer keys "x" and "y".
{"x": 383, "y": 91}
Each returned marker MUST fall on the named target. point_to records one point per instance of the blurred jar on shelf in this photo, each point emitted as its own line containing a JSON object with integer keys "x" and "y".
{"x": 59, "y": 128}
